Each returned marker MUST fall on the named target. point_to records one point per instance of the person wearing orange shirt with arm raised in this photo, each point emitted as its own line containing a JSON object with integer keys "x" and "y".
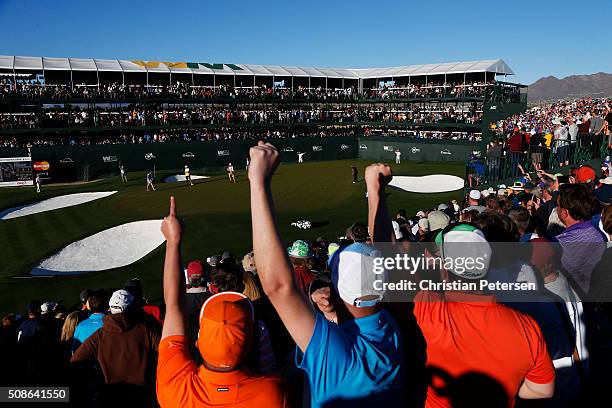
{"x": 225, "y": 338}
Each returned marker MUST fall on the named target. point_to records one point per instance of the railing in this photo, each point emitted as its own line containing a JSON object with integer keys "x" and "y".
{"x": 559, "y": 154}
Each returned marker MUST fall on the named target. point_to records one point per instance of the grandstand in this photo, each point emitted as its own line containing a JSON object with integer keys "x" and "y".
{"x": 434, "y": 111}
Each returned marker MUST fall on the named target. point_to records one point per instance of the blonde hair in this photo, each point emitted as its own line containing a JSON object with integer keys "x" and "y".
{"x": 70, "y": 325}
{"x": 251, "y": 287}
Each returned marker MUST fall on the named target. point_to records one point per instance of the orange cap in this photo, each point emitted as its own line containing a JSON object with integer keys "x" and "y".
{"x": 226, "y": 329}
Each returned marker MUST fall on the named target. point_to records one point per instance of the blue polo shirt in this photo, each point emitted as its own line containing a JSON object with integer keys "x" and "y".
{"x": 355, "y": 364}
{"x": 86, "y": 328}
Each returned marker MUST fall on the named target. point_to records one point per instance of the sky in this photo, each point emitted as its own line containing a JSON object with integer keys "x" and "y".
{"x": 536, "y": 38}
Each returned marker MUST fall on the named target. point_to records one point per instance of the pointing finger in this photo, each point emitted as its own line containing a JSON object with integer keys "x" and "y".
{"x": 172, "y": 207}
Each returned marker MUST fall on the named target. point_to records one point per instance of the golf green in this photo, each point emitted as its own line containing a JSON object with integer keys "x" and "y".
{"x": 216, "y": 214}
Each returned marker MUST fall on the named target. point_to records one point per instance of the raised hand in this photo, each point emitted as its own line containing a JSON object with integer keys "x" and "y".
{"x": 264, "y": 161}
{"x": 377, "y": 176}
{"x": 171, "y": 226}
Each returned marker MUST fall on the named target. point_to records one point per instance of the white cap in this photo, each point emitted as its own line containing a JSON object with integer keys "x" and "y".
{"x": 475, "y": 195}
{"x": 47, "y": 307}
{"x": 353, "y": 274}
{"x": 120, "y": 301}
{"x": 484, "y": 193}
{"x": 463, "y": 242}
{"x": 396, "y": 230}
{"x": 424, "y": 224}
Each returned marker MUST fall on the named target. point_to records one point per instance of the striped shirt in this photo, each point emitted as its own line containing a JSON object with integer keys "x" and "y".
{"x": 583, "y": 246}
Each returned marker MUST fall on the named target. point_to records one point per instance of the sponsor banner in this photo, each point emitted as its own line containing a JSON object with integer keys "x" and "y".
{"x": 317, "y": 148}
{"x": 363, "y": 146}
{"x": 110, "y": 159}
{"x": 223, "y": 152}
{"x": 288, "y": 149}
{"x": 41, "y": 166}
{"x": 415, "y": 150}
{"x": 344, "y": 147}
{"x": 66, "y": 160}
{"x": 149, "y": 156}
{"x": 16, "y": 171}
{"x": 388, "y": 148}
{"x": 446, "y": 152}
{"x": 188, "y": 155}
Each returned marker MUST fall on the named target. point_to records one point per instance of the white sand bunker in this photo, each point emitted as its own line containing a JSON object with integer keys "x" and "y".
{"x": 112, "y": 248}
{"x": 54, "y": 203}
{"x": 181, "y": 177}
{"x": 434, "y": 183}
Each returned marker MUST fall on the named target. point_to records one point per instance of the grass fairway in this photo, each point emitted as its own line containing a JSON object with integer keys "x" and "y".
{"x": 216, "y": 213}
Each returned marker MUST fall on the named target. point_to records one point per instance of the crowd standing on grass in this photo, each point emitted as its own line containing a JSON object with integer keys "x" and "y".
{"x": 294, "y": 325}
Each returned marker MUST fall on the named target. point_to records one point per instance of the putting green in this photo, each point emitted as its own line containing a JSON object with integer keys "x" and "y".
{"x": 216, "y": 213}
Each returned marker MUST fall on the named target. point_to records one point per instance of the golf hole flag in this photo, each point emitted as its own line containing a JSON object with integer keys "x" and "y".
{"x": 16, "y": 171}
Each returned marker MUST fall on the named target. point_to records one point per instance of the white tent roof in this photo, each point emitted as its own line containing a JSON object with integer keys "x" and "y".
{"x": 59, "y": 64}
{"x": 497, "y": 66}
{"x": 31, "y": 63}
{"x": 82, "y": 64}
{"x": 6, "y": 62}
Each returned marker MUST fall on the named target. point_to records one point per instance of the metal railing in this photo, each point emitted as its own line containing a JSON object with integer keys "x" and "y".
{"x": 560, "y": 153}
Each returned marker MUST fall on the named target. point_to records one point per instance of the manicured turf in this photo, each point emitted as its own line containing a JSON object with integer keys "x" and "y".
{"x": 216, "y": 213}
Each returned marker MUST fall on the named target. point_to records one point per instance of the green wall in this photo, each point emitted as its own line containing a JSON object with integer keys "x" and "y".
{"x": 383, "y": 148}
{"x": 69, "y": 162}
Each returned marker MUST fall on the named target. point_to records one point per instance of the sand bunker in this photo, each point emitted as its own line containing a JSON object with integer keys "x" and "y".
{"x": 54, "y": 203}
{"x": 435, "y": 183}
{"x": 181, "y": 177}
{"x": 112, "y": 248}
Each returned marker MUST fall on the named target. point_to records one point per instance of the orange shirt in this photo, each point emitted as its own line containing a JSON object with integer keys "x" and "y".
{"x": 180, "y": 383}
{"x": 467, "y": 333}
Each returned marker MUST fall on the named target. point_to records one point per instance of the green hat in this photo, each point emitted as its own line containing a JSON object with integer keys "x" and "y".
{"x": 300, "y": 249}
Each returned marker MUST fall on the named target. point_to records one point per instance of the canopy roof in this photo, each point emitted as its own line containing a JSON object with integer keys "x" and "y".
{"x": 497, "y": 66}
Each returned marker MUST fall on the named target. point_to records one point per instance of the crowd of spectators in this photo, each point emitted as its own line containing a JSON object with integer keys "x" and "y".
{"x": 552, "y": 135}
{"x": 173, "y": 135}
{"x": 200, "y": 116}
{"x": 434, "y": 90}
{"x": 295, "y": 326}
{"x": 34, "y": 89}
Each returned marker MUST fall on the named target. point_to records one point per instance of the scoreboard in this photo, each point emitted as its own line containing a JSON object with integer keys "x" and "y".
{"x": 16, "y": 171}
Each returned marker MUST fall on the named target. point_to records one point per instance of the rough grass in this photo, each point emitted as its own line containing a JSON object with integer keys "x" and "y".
{"x": 216, "y": 214}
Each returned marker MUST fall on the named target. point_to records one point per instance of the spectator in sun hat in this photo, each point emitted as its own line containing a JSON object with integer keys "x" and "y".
{"x": 474, "y": 201}
{"x": 226, "y": 332}
{"x": 518, "y": 186}
{"x": 301, "y": 258}
{"x": 357, "y": 361}
{"x": 113, "y": 348}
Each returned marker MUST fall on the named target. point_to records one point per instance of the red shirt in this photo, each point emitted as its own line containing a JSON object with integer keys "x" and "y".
{"x": 515, "y": 143}
{"x": 467, "y": 333}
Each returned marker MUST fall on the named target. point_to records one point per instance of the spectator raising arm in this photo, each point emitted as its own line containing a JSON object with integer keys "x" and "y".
{"x": 174, "y": 281}
{"x": 377, "y": 176}
{"x": 273, "y": 267}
